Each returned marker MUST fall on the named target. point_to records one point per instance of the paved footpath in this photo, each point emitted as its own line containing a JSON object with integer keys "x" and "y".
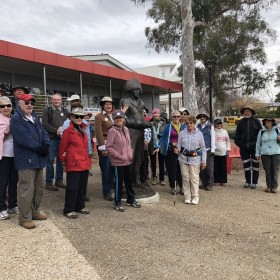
{"x": 233, "y": 233}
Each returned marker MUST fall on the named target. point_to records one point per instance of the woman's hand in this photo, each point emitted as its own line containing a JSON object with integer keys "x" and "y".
{"x": 105, "y": 153}
{"x": 156, "y": 151}
{"x": 258, "y": 158}
{"x": 176, "y": 150}
{"x": 124, "y": 108}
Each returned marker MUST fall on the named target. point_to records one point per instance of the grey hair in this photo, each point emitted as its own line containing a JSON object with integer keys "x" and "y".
{"x": 5, "y": 100}
{"x": 57, "y": 94}
{"x": 175, "y": 112}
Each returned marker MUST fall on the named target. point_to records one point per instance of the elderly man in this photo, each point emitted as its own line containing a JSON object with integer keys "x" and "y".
{"x": 53, "y": 118}
{"x": 246, "y": 138}
{"x": 31, "y": 145}
{"x": 17, "y": 91}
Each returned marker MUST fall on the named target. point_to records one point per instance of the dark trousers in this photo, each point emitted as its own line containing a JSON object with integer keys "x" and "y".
{"x": 53, "y": 151}
{"x": 8, "y": 178}
{"x": 144, "y": 168}
{"x": 153, "y": 158}
{"x": 271, "y": 166}
{"x": 123, "y": 174}
{"x": 250, "y": 163}
{"x": 75, "y": 191}
{"x": 220, "y": 169}
{"x": 107, "y": 173}
{"x": 173, "y": 169}
{"x": 207, "y": 175}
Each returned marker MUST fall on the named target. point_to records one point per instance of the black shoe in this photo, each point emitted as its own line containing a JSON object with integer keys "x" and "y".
{"x": 134, "y": 204}
{"x": 119, "y": 207}
{"x": 109, "y": 197}
{"x": 201, "y": 187}
{"x": 87, "y": 198}
{"x": 208, "y": 188}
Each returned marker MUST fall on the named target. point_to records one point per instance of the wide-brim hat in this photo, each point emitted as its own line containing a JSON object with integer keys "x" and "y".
{"x": 26, "y": 90}
{"x": 202, "y": 114}
{"x": 78, "y": 111}
{"x": 106, "y": 99}
{"x": 249, "y": 108}
{"x": 118, "y": 114}
{"x": 26, "y": 97}
{"x": 73, "y": 97}
{"x": 269, "y": 119}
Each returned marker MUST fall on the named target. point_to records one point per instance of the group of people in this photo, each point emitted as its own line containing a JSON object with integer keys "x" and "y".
{"x": 189, "y": 148}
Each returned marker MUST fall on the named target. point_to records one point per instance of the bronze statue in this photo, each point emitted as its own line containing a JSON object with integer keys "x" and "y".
{"x": 136, "y": 123}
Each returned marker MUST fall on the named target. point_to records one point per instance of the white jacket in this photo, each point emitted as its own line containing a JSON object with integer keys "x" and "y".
{"x": 222, "y": 142}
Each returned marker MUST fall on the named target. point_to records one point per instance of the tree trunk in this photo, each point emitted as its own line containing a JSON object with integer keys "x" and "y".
{"x": 188, "y": 24}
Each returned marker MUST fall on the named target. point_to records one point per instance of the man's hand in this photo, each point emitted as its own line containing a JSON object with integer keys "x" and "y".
{"x": 155, "y": 151}
{"x": 105, "y": 153}
{"x": 58, "y": 132}
{"x": 203, "y": 165}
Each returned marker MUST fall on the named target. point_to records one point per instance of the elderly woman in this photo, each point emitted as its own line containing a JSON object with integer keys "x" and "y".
{"x": 267, "y": 149}
{"x": 158, "y": 125}
{"x": 192, "y": 157}
{"x": 73, "y": 153}
{"x": 167, "y": 144}
{"x": 8, "y": 174}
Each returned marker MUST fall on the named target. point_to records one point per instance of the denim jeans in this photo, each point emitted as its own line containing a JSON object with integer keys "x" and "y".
{"x": 107, "y": 173}
{"x": 53, "y": 151}
{"x": 8, "y": 179}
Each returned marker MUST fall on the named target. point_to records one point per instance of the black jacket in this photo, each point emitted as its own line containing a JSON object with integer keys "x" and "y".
{"x": 247, "y": 132}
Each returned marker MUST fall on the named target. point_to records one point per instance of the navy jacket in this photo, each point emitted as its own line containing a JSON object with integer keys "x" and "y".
{"x": 28, "y": 137}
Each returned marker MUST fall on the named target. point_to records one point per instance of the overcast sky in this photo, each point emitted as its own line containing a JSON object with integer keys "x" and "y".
{"x": 76, "y": 27}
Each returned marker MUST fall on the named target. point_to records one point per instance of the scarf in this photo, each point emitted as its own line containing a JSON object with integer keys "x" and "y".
{"x": 177, "y": 127}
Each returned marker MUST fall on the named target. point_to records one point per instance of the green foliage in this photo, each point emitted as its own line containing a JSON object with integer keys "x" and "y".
{"x": 230, "y": 32}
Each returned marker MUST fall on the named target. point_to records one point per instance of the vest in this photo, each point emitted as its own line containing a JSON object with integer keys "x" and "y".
{"x": 206, "y": 131}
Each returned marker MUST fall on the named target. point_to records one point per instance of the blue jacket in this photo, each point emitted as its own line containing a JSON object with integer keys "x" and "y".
{"x": 267, "y": 142}
{"x": 165, "y": 138}
{"x": 28, "y": 138}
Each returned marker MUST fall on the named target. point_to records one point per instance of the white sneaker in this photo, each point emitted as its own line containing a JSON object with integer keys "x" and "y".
{"x": 154, "y": 182}
{"x": 187, "y": 201}
{"x": 4, "y": 215}
{"x": 195, "y": 200}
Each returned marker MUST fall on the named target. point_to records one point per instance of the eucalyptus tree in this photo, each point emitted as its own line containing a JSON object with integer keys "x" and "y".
{"x": 230, "y": 32}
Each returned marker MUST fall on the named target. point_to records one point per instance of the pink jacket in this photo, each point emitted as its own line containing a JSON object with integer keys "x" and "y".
{"x": 118, "y": 146}
{"x": 4, "y": 124}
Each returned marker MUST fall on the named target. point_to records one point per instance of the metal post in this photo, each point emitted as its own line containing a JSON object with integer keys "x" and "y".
{"x": 209, "y": 65}
{"x": 169, "y": 101}
{"x": 44, "y": 80}
{"x": 81, "y": 86}
{"x": 110, "y": 82}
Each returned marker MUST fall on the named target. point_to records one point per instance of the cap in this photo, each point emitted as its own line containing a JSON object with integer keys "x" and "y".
{"x": 26, "y": 90}
{"x": 78, "y": 111}
{"x": 118, "y": 114}
{"x": 26, "y": 97}
{"x": 73, "y": 97}
{"x": 217, "y": 121}
{"x": 183, "y": 109}
{"x": 106, "y": 99}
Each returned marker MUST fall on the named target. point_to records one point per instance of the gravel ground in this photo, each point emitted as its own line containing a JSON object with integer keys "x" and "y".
{"x": 233, "y": 233}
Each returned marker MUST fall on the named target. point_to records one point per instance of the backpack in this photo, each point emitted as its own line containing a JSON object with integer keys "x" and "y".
{"x": 277, "y": 131}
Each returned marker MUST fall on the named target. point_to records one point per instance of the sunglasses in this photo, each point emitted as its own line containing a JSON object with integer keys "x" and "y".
{"x": 79, "y": 117}
{"x": 183, "y": 114}
{"x": 203, "y": 117}
{"x": 187, "y": 123}
{"x": 5, "y": 105}
{"x": 176, "y": 116}
{"x": 29, "y": 103}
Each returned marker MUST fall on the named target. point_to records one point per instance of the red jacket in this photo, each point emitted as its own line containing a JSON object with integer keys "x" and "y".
{"x": 118, "y": 146}
{"x": 73, "y": 149}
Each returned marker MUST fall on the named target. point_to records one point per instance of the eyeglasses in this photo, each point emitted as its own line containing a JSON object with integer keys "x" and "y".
{"x": 29, "y": 103}
{"x": 176, "y": 117}
{"x": 187, "y": 123}
{"x": 78, "y": 117}
{"x": 183, "y": 114}
{"x": 5, "y": 105}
